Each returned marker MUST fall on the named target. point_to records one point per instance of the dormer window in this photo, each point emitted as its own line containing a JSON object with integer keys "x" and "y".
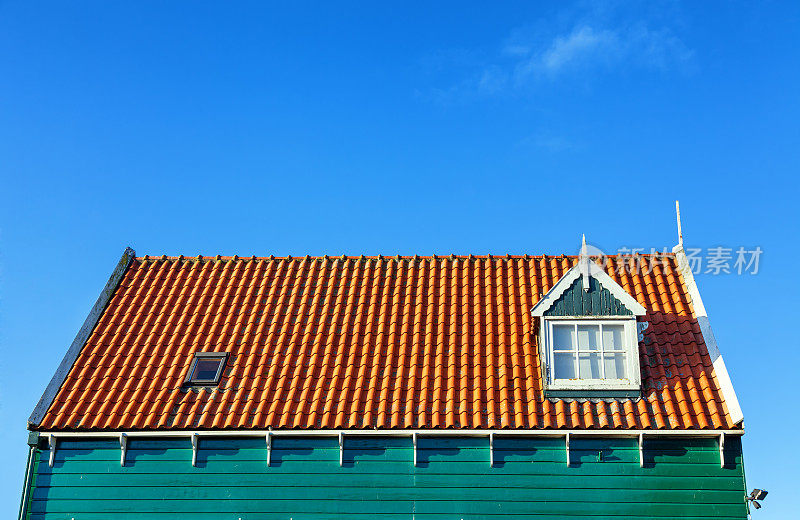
{"x": 591, "y": 353}
{"x": 588, "y": 334}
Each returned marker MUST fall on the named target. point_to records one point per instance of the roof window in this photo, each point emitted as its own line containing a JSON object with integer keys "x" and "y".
{"x": 206, "y": 368}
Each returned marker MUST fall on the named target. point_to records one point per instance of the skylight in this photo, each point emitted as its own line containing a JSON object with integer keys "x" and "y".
{"x": 206, "y": 368}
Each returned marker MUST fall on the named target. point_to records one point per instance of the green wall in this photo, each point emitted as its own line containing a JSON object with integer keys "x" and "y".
{"x": 682, "y": 478}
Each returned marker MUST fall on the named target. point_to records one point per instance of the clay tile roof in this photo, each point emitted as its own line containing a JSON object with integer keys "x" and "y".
{"x": 367, "y": 342}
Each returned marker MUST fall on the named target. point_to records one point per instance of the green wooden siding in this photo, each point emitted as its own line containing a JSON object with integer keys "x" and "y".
{"x": 597, "y": 301}
{"x": 682, "y": 478}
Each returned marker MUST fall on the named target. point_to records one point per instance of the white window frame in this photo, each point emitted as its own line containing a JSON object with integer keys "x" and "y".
{"x": 632, "y": 382}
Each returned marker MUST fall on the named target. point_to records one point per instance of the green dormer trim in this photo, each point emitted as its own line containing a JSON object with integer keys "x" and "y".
{"x": 597, "y": 301}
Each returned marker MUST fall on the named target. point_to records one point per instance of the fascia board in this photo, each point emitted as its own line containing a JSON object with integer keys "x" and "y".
{"x": 720, "y": 370}
{"x": 555, "y": 292}
{"x": 399, "y": 432}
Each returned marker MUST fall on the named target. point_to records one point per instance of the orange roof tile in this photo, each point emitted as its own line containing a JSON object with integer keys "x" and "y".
{"x": 367, "y": 342}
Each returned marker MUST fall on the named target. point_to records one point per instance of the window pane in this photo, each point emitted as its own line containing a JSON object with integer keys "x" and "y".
{"x": 615, "y": 366}
{"x": 206, "y": 369}
{"x": 564, "y": 365}
{"x": 563, "y": 337}
{"x": 613, "y": 337}
{"x": 588, "y": 337}
{"x": 589, "y": 365}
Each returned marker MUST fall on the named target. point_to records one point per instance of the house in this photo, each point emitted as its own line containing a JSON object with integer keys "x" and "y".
{"x": 438, "y": 387}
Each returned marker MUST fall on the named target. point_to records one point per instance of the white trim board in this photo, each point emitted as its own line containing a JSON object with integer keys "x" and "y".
{"x": 720, "y": 370}
{"x": 386, "y": 433}
{"x": 598, "y": 274}
{"x": 52, "y": 438}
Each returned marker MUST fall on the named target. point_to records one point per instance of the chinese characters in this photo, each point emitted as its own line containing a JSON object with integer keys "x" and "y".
{"x": 715, "y": 261}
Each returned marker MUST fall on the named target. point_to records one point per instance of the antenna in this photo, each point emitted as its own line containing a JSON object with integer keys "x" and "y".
{"x": 678, "y": 214}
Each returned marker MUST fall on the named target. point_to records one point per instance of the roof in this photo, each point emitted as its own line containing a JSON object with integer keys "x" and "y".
{"x": 368, "y": 342}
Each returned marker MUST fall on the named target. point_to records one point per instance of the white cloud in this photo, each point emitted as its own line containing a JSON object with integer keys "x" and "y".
{"x": 586, "y": 48}
{"x": 516, "y": 50}
{"x": 492, "y": 80}
{"x": 581, "y": 43}
{"x": 577, "y": 44}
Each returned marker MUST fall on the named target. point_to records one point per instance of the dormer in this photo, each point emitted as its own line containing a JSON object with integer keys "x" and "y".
{"x": 588, "y": 335}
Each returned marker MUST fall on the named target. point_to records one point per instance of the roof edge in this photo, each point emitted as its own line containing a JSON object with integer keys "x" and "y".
{"x": 75, "y": 348}
{"x": 434, "y": 432}
{"x": 721, "y": 371}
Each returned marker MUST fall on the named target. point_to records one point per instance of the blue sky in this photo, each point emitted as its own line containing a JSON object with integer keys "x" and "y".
{"x": 206, "y": 128}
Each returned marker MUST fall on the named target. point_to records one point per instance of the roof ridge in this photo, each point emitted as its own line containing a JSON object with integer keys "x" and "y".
{"x": 395, "y": 257}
